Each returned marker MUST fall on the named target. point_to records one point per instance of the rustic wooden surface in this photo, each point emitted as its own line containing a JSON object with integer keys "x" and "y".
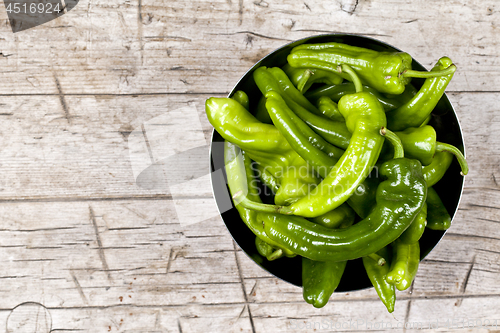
{"x": 83, "y": 248}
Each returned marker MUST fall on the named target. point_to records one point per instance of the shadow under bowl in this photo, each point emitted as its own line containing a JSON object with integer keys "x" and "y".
{"x": 449, "y": 188}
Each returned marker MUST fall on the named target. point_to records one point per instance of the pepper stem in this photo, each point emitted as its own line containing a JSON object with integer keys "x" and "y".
{"x": 275, "y": 255}
{"x": 440, "y": 146}
{"x": 395, "y": 141}
{"x": 420, "y": 74}
{"x": 354, "y": 77}
{"x": 379, "y": 259}
{"x": 242, "y": 200}
{"x": 303, "y": 80}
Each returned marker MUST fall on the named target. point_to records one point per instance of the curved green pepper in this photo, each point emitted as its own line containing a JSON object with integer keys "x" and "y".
{"x": 437, "y": 217}
{"x": 377, "y": 275}
{"x": 303, "y": 78}
{"x": 321, "y": 278}
{"x": 437, "y": 168}
{"x": 406, "y": 259}
{"x": 388, "y": 72}
{"x": 399, "y": 199}
{"x": 364, "y": 118}
{"x": 420, "y": 143}
{"x": 241, "y": 97}
{"x": 415, "y": 112}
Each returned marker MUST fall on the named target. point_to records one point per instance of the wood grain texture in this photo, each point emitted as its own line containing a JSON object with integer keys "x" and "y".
{"x": 88, "y": 99}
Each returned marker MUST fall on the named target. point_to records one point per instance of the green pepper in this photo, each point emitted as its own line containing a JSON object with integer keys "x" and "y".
{"x": 405, "y": 260}
{"x": 416, "y": 228}
{"x": 388, "y": 72}
{"x": 415, "y": 112}
{"x": 437, "y": 217}
{"x": 264, "y": 144}
{"x": 303, "y": 78}
{"x": 241, "y": 97}
{"x": 240, "y": 178}
{"x": 274, "y": 79}
{"x": 364, "y": 118}
{"x": 310, "y": 146}
{"x": 329, "y": 109}
{"x": 377, "y": 275}
{"x": 437, "y": 168}
{"x": 420, "y": 143}
{"x": 321, "y": 278}
{"x": 399, "y": 199}
{"x": 336, "y": 92}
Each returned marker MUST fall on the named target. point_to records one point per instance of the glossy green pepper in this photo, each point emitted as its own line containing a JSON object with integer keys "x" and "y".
{"x": 388, "y": 72}
{"x": 399, "y": 199}
{"x": 405, "y": 261}
{"x": 241, "y": 97}
{"x": 303, "y": 78}
{"x": 364, "y": 118}
{"x": 437, "y": 168}
{"x": 377, "y": 275}
{"x": 437, "y": 217}
{"x": 420, "y": 143}
{"x": 321, "y": 278}
{"x": 417, "y": 110}
{"x": 240, "y": 178}
{"x": 310, "y": 146}
{"x": 336, "y": 92}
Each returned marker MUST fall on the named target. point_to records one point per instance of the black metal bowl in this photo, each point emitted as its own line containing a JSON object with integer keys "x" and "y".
{"x": 444, "y": 120}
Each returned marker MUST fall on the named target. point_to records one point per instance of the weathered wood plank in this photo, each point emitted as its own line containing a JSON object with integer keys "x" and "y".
{"x": 204, "y": 47}
{"x": 47, "y": 155}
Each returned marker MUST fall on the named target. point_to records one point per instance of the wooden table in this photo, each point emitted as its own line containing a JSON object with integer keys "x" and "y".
{"x": 83, "y": 248}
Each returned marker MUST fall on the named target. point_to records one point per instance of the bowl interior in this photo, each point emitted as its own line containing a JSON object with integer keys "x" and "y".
{"x": 450, "y": 187}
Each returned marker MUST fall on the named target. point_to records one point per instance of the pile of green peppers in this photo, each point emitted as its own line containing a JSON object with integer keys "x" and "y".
{"x": 341, "y": 138}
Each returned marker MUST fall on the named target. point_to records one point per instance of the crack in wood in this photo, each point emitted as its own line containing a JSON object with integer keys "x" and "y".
{"x": 242, "y": 280}
{"x": 466, "y": 281}
{"x": 79, "y": 288}
{"x": 62, "y": 99}
{"x": 99, "y": 244}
